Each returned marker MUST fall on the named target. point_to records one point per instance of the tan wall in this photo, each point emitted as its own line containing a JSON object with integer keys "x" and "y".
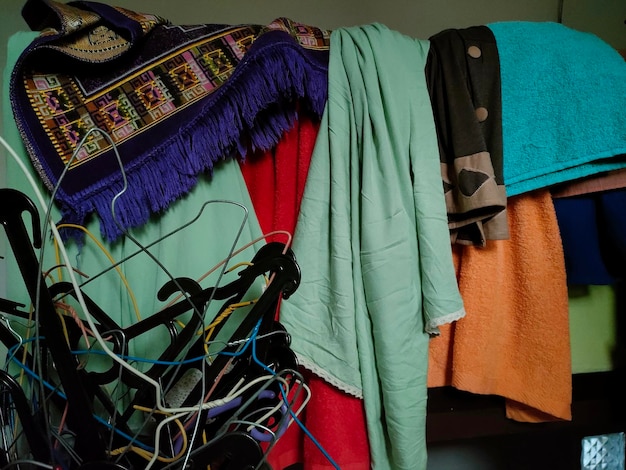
{"x": 605, "y": 18}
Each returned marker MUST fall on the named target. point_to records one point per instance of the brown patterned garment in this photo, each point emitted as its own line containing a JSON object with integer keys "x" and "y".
{"x": 463, "y": 75}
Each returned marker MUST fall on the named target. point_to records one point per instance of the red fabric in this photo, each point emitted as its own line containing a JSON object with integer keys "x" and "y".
{"x": 275, "y": 181}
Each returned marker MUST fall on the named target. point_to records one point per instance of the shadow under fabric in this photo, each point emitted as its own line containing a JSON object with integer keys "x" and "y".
{"x": 514, "y": 344}
{"x": 275, "y": 181}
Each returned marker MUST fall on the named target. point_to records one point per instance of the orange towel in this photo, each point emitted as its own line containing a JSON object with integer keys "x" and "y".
{"x": 514, "y": 341}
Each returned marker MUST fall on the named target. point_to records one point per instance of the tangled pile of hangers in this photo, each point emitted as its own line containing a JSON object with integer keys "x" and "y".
{"x": 218, "y": 396}
{"x": 202, "y": 403}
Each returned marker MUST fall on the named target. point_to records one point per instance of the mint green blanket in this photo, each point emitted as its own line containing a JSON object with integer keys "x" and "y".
{"x": 372, "y": 240}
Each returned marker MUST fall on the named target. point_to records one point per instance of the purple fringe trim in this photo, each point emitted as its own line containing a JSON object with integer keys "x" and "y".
{"x": 251, "y": 111}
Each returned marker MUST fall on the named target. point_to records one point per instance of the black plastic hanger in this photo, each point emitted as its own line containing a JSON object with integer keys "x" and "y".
{"x": 89, "y": 443}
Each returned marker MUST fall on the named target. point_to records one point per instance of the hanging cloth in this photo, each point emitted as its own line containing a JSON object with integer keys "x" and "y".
{"x": 563, "y": 102}
{"x": 463, "y": 76}
{"x": 372, "y": 240}
{"x": 514, "y": 344}
{"x": 276, "y": 181}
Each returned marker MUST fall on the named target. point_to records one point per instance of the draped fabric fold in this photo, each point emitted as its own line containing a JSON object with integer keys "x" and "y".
{"x": 372, "y": 240}
{"x": 276, "y": 180}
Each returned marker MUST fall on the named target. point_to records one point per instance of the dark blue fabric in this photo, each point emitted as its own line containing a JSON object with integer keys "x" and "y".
{"x": 612, "y": 214}
{"x": 593, "y": 231}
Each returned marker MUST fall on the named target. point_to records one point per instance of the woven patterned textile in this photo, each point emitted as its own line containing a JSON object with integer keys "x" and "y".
{"x": 174, "y": 100}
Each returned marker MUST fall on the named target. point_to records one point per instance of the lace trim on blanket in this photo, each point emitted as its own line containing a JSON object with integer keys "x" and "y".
{"x": 334, "y": 381}
{"x": 432, "y": 326}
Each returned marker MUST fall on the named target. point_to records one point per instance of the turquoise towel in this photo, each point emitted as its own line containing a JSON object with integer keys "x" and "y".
{"x": 563, "y": 104}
